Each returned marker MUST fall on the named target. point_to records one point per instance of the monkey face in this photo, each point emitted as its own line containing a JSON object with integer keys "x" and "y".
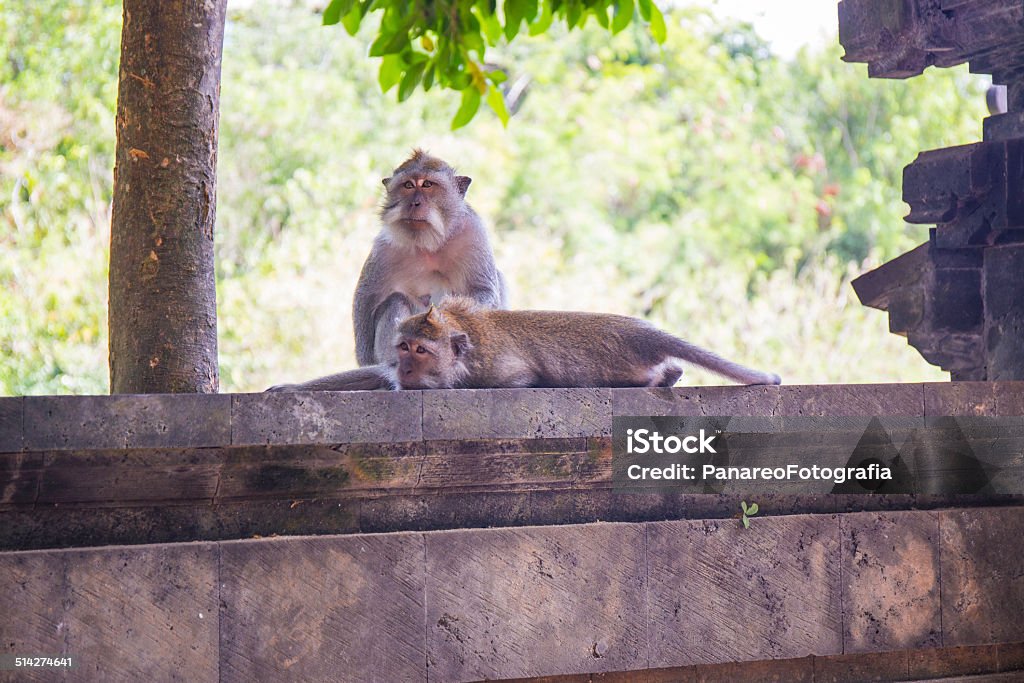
{"x": 431, "y": 352}
{"x": 418, "y": 210}
{"x": 424, "y": 198}
{"x": 421, "y": 364}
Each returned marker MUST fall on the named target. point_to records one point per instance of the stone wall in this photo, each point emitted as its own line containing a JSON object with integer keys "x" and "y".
{"x": 958, "y": 298}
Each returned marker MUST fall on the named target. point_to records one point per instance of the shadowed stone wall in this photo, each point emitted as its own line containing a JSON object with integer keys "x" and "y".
{"x": 958, "y": 298}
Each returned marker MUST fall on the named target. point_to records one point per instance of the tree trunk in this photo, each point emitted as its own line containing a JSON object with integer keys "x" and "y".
{"x": 163, "y": 300}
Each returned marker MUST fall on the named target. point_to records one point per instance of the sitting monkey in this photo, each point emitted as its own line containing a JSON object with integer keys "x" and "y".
{"x": 431, "y": 244}
{"x": 460, "y": 344}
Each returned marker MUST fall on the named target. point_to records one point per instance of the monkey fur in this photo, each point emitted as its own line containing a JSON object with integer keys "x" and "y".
{"x": 431, "y": 244}
{"x": 460, "y": 344}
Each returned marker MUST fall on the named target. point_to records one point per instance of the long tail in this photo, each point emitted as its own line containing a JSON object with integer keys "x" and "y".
{"x": 691, "y": 353}
{"x": 369, "y": 378}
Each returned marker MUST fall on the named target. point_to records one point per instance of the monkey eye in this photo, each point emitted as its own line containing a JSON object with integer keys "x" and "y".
{"x": 403, "y": 346}
{"x": 427, "y": 183}
{"x": 408, "y": 185}
{"x": 420, "y": 349}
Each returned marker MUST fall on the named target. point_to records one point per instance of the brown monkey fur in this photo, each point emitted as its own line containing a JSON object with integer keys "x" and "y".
{"x": 460, "y": 344}
{"x": 431, "y": 244}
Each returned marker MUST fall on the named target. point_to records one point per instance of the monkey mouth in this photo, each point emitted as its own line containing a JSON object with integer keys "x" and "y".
{"x": 417, "y": 223}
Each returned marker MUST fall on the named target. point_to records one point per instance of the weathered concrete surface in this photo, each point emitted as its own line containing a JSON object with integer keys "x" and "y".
{"x": 982, "y": 576}
{"x": 126, "y": 421}
{"x": 526, "y": 602}
{"x": 536, "y": 601}
{"x": 853, "y": 399}
{"x": 757, "y": 400}
{"x": 721, "y": 593}
{"x": 1004, "y": 303}
{"x": 325, "y": 417}
{"x": 890, "y": 569}
{"x": 318, "y": 609}
{"x": 123, "y": 614}
{"x": 167, "y": 421}
{"x": 11, "y": 418}
{"x": 516, "y": 413}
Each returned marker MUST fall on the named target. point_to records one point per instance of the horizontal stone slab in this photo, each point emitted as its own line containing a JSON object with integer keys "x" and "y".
{"x": 325, "y": 417}
{"x": 536, "y": 601}
{"x": 51, "y": 423}
{"x": 75, "y": 498}
{"x": 516, "y": 413}
{"x": 126, "y": 421}
{"x": 121, "y": 614}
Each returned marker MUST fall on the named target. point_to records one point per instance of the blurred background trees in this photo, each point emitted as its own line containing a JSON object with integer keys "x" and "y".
{"x": 720, "y": 191}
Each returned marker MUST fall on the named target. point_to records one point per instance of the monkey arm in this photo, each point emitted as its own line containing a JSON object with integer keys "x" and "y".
{"x": 486, "y": 285}
{"x": 369, "y": 378}
{"x": 366, "y": 297}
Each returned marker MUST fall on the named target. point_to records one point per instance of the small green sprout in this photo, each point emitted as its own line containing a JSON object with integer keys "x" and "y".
{"x": 748, "y": 512}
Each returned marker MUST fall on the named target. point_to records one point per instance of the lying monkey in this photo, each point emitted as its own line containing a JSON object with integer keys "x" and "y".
{"x": 462, "y": 345}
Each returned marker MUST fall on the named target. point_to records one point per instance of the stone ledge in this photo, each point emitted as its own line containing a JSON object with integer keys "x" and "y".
{"x": 485, "y": 603}
{"x": 52, "y": 423}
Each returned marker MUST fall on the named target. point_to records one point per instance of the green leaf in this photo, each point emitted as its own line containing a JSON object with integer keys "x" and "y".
{"x": 601, "y": 14}
{"x": 531, "y": 10}
{"x": 473, "y": 41}
{"x": 391, "y": 68}
{"x": 460, "y": 81}
{"x": 352, "y": 20}
{"x": 645, "y": 9}
{"x": 658, "y": 29}
{"x": 544, "y": 19}
{"x": 390, "y": 43}
{"x": 497, "y": 76}
{"x": 746, "y": 522}
{"x": 491, "y": 28}
{"x": 410, "y": 81}
{"x": 623, "y": 15}
{"x": 752, "y": 510}
{"x": 467, "y": 110}
{"x": 428, "y": 77}
{"x": 574, "y": 13}
{"x": 496, "y": 101}
{"x": 743, "y": 506}
{"x": 515, "y": 12}
{"x": 336, "y": 10}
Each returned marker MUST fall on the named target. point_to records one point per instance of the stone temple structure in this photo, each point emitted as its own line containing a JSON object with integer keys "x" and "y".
{"x": 959, "y": 297}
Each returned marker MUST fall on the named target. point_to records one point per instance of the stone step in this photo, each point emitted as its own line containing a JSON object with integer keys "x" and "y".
{"x": 531, "y": 601}
{"x": 79, "y": 471}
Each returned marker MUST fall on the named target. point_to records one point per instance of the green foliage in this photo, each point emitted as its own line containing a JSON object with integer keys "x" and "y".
{"x": 444, "y": 42}
{"x": 720, "y": 192}
{"x": 747, "y": 512}
{"x": 58, "y": 81}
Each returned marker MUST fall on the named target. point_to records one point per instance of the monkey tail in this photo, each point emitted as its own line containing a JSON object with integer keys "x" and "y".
{"x": 691, "y": 353}
{"x": 369, "y": 378}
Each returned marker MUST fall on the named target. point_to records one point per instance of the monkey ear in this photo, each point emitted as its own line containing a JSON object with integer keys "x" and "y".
{"x": 460, "y": 344}
{"x": 431, "y": 315}
{"x": 386, "y": 181}
{"x": 463, "y": 182}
